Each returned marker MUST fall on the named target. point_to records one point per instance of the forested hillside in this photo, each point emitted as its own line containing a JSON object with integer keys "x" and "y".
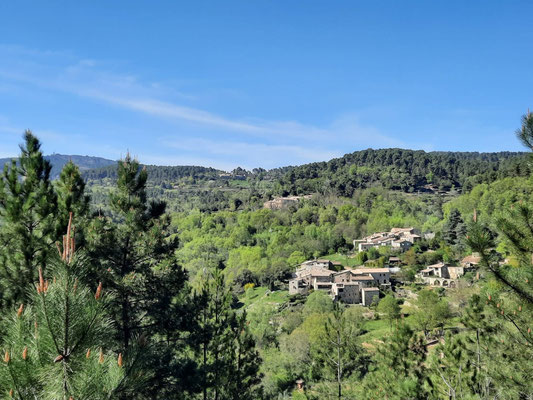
{"x": 264, "y": 246}
{"x": 405, "y": 170}
{"x": 208, "y": 189}
{"x": 106, "y": 292}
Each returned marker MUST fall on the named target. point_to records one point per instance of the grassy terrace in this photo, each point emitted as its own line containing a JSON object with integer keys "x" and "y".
{"x": 346, "y": 261}
{"x": 259, "y": 296}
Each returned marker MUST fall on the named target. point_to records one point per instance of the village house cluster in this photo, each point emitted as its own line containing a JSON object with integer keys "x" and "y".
{"x": 398, "y": 238}
{"x": 361, "y": 285}
{"x": 445, "y": 275}
{"x": 351, "y": 286}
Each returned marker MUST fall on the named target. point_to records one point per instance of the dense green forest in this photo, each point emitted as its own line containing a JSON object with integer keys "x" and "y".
{"x": 405, "y": 170}
{"x": 207, "y": 189}
{"x": 108, "y": 293}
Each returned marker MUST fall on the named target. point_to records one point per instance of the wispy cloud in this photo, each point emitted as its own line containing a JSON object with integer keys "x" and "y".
{"x": 223, "y": 138}
{"x": 252, "y": 154}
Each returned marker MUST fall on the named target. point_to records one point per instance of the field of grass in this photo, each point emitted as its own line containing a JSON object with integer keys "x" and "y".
{"x": 377, "y": 329}
{"x": 259, "y": 296}
{"x": 346, "y": 261}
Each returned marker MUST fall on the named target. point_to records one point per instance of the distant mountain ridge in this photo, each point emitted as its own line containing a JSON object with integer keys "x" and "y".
{"x": 58, "y": 161}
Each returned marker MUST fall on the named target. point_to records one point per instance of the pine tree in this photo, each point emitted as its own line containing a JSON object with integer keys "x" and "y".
{"x": 27, "y": 210}
{"x": 399, "y": 370}
{"x": 455, "y": 373}
{"x": 55, "y": 348}
{"x": 479, "y": 340}
{"x": 509, "y": 292}
{"x": 339, "y": 352}
{"x": 135, "y": 251}
{"x": 525, "y": 133}
{"x": 243, "y": 379}
{"x": 227, "y": 359}
{"x": 214, "y": 318}
{"x": 71, "y": 198}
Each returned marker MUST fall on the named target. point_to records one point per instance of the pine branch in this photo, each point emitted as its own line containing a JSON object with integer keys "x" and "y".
{"x": 47, "y": 319}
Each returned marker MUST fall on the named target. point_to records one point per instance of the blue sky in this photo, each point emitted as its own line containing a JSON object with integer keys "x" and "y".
{"x": 263, "y": 83}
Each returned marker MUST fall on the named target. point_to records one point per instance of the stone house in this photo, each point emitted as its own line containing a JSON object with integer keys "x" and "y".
{"x": 349, "y": 285}
{"x": 369, "y": 296}
{"x": 471, "y": 261}
{"x": 442, "y": 274}
{"x": 348, "y": 292}
{"x": 402, "y": 245}
{"x": 380, "y": 275}
{"x": 310, "y": 277}
{"x": 398, "y": 238}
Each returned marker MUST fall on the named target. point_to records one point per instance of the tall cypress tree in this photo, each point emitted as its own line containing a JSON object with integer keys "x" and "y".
{"x": 27, "y": 211}
{"x": 454, "y": 229}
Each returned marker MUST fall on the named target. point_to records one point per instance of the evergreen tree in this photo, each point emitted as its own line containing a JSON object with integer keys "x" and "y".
{"x": 27, "y": 210}
{"x": 227, "y": 359}
{"x": 135, "y": 250}
{"x": 398, "y": 370}
{"x": 478, "y": 342}
{"x": 71, "y": 198}
{"x": 455, "y": 372}
{"x": 57, "y": 348}
{"x": 243, "y": 381}
{"x": 454, "y": 229}
{"x": 509, "y": 292}
{"x": 509, "y": 298}
{"x": 339, "y": 352}
{"x": 525, "y": 133}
